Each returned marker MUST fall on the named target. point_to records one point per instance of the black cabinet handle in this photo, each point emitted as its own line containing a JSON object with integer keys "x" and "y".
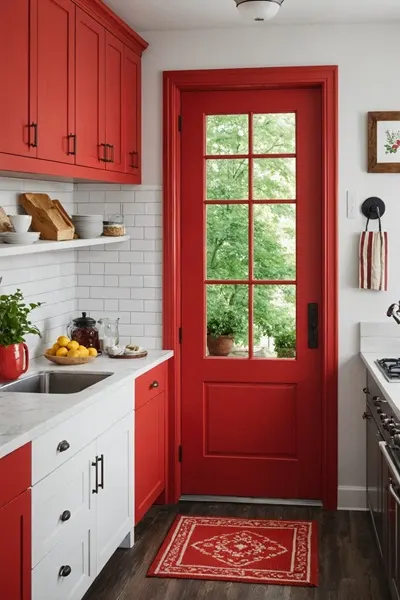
{"x": 111, "y": 146}
{"x": 134, "y": 163}
{"x": 65, "y": 516}
{"x": 95, "y": 464}
{"x": 313, "y": 325}
{"x": 72, "y": 136}
{"x": 63, "y": 446}
{"x": 104, "y": 158}
{"x": 366, "y": 391}
{"x": 34, "y": 144}
{"x": 64, "y": 571}
{"x": 154, "y": 385}
{"x": 101, "y": 461}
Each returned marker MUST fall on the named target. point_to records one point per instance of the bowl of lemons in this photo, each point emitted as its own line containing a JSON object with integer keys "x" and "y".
{"x": 69, "y": 352}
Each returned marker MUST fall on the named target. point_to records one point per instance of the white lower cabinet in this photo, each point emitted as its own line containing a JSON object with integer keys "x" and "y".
{"x": 81, "y": 513}
{"x": 114, "y": 501}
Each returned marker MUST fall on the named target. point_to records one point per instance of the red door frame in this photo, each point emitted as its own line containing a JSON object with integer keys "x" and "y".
{"x": 176, "y": 82}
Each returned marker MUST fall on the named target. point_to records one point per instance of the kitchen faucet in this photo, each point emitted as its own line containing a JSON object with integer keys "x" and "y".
{"x": 394, "y": 311}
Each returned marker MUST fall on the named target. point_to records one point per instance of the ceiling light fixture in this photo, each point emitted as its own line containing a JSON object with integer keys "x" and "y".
{"x": 259, "y": 10}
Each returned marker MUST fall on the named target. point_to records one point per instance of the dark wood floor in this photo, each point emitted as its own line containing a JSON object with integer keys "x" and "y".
{"x": 350, "y": 567}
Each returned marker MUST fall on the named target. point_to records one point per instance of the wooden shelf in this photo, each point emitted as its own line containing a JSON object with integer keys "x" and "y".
{"x": 43, "y": 246}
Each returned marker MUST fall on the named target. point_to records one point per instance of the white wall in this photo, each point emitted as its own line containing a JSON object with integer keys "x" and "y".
{"x": 48, "y": 278}
{"x": 368, "y": 77}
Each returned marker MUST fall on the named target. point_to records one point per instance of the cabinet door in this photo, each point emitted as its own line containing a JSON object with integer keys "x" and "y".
{"x": 56, "y": 79}
{"x": 114, "y": 102}
{"x": 115, "y": 495}
{"x": 132, "y": 112}
{"x": 374, "y": 476}
{"x": 90, "y": 91}
{"x": 14, "y": 77}
{"x": 15, "y": 549}
{"x": 149, "y": 454}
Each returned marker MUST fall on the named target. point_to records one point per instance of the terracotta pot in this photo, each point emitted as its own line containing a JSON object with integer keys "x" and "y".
{"x": 220, "y": 346}
{"x": 14, "y": 361}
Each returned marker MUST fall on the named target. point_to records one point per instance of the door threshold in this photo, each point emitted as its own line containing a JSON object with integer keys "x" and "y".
{"x": 244, "y": 500}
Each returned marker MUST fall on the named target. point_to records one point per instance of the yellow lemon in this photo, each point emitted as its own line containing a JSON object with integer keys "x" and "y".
{"x": 63, "y": 341}
{"x": 73, "y": 345}
{"x": 83, "y": 351}
{"x": 56, "y": 347}
{"x": 50, "y": 352}
{"x": 92, "y": 352}
{"x": 62, "y": 352}
{"x": 73, "y": 354}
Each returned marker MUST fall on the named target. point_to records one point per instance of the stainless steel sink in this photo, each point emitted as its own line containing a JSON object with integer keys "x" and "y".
{"x": 54, "y": 383}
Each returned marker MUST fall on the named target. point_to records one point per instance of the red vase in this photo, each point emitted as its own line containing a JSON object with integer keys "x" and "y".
{"x": 14, "y": 361}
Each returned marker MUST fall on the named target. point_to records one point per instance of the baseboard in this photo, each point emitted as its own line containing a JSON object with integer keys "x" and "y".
{"x": 352, "y": 498}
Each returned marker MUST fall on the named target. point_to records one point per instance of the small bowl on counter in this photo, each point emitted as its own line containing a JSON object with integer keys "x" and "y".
{"x": 68, "y": 361}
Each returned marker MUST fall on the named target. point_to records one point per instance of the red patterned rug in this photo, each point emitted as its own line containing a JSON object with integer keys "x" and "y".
{"x": 251, "y": 551}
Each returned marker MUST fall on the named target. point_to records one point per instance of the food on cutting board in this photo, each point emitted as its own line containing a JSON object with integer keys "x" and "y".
{"x": 65, "y": 347}
{"x": 130, "y": 349}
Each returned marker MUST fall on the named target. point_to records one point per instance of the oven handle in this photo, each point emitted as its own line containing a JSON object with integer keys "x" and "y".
{"x": 393, "y": 493}
{"x": 392, "y": 466}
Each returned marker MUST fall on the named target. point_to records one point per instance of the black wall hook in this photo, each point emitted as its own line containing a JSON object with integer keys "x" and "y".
{"x": 373, "y": 208}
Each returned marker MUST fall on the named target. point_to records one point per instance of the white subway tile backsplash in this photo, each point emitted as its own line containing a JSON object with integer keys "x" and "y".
{"x": 132, "y": 270}
{"x": 91, "y": 280}
{"x": 82, "y": 292}
{"x": 83, "y": 268}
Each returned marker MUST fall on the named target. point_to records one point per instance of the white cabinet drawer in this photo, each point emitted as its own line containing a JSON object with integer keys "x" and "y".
{"x": 62, "y": 503}
{"x": 58, "y": 445}
{"x": 77, "y": 557}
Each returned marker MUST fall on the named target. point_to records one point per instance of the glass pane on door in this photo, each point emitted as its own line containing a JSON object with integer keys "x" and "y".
{"x": 274, "y": 321}
{"x": 227, "y": 325}
{"x": 227, "y": 179}
{"x": 274, "y": 179}
{"x": 227, "y": 134}
{"x": 274, "y": 133}
{"x": 274, "y": 227}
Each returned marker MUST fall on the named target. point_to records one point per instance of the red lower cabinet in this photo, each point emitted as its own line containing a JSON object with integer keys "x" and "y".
{"x": 15, "y": 548}
{"x": 150, "y": 450}
{"x": 15, "y": 525}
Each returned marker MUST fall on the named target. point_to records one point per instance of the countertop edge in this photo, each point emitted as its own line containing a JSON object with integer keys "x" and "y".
{"x": 21, "y": 439}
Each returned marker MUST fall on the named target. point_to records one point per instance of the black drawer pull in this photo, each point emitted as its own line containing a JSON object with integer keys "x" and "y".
{"x": 135, "y": 159}
{"x": 34, "y": 144}
{"x": 154, "y": 385}
{"x": 101, "y": 460}
{"x": 104, "y": 158}
{"x": 64, "y": 571}
{"x": 63, "y": 446}
{"x": 65, "y": 516}
{"x": 71, "y": 136}
{"x": 96, "y": 485}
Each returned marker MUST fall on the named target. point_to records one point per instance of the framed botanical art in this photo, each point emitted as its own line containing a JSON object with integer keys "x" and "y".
{"x": 384, "y": 142}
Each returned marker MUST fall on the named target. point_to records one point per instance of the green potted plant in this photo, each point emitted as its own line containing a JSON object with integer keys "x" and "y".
{"x": 221, "y": 330}
{"x": 14, "y": 326}
{"x": 285, "y": 343}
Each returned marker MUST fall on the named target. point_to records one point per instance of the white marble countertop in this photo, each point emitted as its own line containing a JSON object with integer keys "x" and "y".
{"x": 391, "y": 390}
{"x": 25, "y": 416}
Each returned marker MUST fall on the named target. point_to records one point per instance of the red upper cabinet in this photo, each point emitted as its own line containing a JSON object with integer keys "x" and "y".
{"x": 15, "y": 548}
{"x": 90, "y": 92}
{"x": 56, "y": 80}
{"x": 14, "y": 78}
{"x": 114, "y": 103}
{"x": 70, "y": 101}
{"x": 133, "y": 114}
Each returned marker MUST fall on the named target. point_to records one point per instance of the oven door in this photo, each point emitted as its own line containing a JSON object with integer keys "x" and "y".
{"x": 391, "y": 520}
{"x": 374, "y": 476}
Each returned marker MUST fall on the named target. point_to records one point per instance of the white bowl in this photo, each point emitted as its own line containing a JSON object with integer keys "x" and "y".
{"x": 21, "y": 223}
{"x": 13, "y": 237}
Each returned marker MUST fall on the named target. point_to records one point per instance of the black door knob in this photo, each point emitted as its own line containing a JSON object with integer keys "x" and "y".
{"x": 65, "y": 516}
{"x": 63, "y": 446}
{"x": 64, "y": 571}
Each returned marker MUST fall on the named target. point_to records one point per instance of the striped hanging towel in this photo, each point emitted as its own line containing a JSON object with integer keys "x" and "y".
{"x": 373, "y": 273}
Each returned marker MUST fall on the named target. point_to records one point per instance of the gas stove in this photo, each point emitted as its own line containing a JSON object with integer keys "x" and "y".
{"x": 390, "y": 367}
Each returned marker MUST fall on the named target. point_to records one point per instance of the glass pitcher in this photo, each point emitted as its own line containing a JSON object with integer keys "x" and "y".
{"x": 109, "y": 332}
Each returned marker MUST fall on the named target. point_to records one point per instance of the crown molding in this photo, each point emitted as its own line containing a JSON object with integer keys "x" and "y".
{"x": 110, "y": 21}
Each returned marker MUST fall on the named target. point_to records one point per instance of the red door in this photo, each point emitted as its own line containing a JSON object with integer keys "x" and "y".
{"x": 114, "y": 102}
{"x": 14, "y": 77}
{"x": 132, "y": 112}
{"x": 15, "y": 548}
{"x": 56, "y": 80}
{"x": 251, "y": 270}
{"x": 90, "y": 92}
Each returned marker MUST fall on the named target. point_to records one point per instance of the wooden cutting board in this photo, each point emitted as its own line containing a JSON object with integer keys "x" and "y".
{"x": 48, "y": 217}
